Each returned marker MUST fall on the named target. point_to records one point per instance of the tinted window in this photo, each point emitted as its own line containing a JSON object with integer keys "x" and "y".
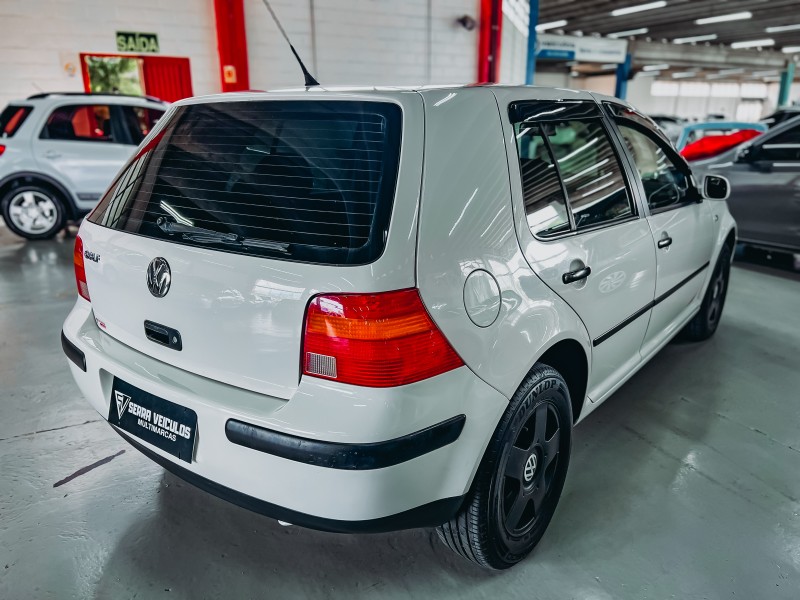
{"x": 591, "y": 173}
{"x": 783, "y": 147}
{"x": 140, "y": 121}
{"x": 576, "y": 157}
{"x": 545, "y": 205}
{"x": 12, "y": 118}
{"x": 311, "y": 181}
{"x": 82, "y": 122}
{"x": 666, "y": 182}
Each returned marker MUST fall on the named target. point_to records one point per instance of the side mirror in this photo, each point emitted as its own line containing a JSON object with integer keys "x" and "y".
{"x": 716, "y": 187}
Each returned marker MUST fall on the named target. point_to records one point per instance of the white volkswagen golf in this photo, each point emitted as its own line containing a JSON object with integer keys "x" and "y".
{"x": 368, "y": 310}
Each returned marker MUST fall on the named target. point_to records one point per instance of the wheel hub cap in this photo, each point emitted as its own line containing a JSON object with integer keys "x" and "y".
{"x": 530, "y": 468}
{"x": 32, "y": 211}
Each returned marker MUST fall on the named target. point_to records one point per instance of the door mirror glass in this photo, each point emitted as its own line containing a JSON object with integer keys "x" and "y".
{"x": 716, "y": 187}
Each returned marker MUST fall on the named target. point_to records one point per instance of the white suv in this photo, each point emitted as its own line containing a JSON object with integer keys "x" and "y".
{"x": 59, "y": 153}
{"x": 382, "y": 309}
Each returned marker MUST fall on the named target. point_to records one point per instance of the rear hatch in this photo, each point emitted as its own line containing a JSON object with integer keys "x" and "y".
{"x": 256, "y": 205}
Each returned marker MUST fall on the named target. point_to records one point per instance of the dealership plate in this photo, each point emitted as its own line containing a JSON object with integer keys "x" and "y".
{"x": 164, "y": 424}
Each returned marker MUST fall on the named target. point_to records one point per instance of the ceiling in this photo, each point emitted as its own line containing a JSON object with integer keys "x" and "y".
{"x": 676, "y": 19}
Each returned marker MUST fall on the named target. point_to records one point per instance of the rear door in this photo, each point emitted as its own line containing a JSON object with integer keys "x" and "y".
{"x": 84, "y": 145}
{"x": 587, "y": 241}
{"x": 256, "y": 206}
{"x": 765, "y": 189}
{"x": 680, "y": 222}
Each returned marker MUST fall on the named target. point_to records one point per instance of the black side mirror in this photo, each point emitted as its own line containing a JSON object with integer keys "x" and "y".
{"x": 716, "y": 187}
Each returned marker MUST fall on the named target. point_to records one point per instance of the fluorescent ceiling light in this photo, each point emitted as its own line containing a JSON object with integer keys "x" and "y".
{"x": 661, "y": 67}
{"x": 684, "y": 74}
{"x": 629, "y": 32}
{"x": 791, "y": 49}
{"x": 638, "y": 8}
{"x": 695, "y": 38}
{"x": 721, "y": 18}
{"x": 765, "y": 73}
{"x": 648, "y": 74}
{"x": 781, "y": 28}
{"x": 731, "y": 71}
{"x": 608, "y": 66}
{"x": 753, "y": 43}
{"x": 551, "y": 25}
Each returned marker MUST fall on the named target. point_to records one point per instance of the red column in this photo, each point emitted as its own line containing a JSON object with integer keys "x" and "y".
{"x": 489, "y": 41}
{"x": 232, "y": 45}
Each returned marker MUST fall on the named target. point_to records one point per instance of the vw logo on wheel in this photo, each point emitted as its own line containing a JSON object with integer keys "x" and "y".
{"x": 159, "y": 277}
{"x": 530, "y": 468}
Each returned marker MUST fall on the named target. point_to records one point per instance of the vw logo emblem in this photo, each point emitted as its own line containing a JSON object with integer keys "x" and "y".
{"x": 530, "y": 468}
{"x": 159, "y": 277}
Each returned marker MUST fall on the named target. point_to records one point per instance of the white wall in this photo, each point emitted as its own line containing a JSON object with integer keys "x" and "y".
{"x": 363, "y": 42}
{"x": 40, "y": 36}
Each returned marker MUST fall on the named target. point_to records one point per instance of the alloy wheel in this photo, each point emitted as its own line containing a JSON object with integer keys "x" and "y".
{"x": 33, "y": 212}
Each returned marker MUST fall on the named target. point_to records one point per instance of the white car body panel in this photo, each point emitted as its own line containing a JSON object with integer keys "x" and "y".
{"x": 458, "y": 233}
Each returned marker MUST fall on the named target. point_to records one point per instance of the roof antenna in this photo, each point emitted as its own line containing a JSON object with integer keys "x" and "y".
{"x": 310, "y": 81}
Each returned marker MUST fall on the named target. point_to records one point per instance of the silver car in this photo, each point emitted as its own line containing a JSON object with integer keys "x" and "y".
{"x": 765, "y": 187}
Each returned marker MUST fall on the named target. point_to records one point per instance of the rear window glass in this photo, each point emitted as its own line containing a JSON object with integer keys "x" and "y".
{"x": 311, "y": 181}
{"x": 12, "y": 118}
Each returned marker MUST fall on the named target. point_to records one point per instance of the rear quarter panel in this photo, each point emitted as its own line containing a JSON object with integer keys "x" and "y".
{"x": 467, "y": 223}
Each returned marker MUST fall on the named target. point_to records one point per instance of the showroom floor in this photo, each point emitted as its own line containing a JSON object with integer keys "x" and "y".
{"x": 683, "y": 485}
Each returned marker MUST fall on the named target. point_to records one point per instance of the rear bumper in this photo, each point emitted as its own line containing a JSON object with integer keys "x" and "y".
{"x": 334, "y": 457}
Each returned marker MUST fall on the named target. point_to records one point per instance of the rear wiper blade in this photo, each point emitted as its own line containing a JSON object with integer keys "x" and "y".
{"x": 197, "y": 234}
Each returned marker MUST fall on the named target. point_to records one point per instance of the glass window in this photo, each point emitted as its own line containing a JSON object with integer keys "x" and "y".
{"x": 783, "y": 147}
{"x": 80, "y": 122}
{"x": 306, "y": 181}
{"x": 545, "y": 205}
{"x": 590, "y": 171}
{"x": 140, "y": 121}
{"x": 666, "y": 183}
{"x": 12, "y": 118}
{"x": 581, "y": 154}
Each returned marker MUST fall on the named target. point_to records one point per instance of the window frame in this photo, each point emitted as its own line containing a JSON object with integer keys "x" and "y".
{"x": 656, "y": 136}
{"x": 606, "y": 125}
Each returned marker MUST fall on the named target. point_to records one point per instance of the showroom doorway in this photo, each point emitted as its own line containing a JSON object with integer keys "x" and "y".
{"x": 165, "y": 77}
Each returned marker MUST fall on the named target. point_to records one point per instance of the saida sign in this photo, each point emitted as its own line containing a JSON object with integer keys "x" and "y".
{"x": 132, "y": 41}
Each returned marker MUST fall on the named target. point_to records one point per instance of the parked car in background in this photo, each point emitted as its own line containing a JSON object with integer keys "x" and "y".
{"x": 782, "y": 114}
{"x": 671, "y": 126}
{"x": 374, "y": 309}
{"x": 60, "y": 151}
{"x": 692, "y": 132}
{"x": 765, "y": 186}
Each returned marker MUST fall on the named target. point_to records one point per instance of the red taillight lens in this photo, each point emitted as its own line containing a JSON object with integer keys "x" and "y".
{"x": 80, "y": 271}
{"x": 374, "y": 340}
{"x": 2, "y": 149}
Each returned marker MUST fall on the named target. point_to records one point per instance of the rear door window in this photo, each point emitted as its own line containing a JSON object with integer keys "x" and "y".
{"x": 86, "y": 123}
{"x": 572, "y": 178}
{"x": 312, "y": 181}
{"x": 12, "y": 118}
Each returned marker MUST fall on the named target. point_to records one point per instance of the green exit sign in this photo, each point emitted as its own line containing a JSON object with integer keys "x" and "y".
{"x": 132, "y": 41}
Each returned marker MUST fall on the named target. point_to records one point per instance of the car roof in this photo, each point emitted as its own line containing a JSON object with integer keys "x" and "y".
{"x": 51, "y": 98}
{"x": 381, "y": 90}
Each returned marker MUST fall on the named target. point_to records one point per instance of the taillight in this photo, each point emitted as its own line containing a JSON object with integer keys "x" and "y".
{"x": 80, "y": 271}
{"x": 2, "y": 149}
{"x": 374, "y": 340}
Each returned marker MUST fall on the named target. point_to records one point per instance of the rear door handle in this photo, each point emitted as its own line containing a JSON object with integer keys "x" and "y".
{"x": 574, "y": 276}
{"x": 665, "y": 242}
{"x": 52, "y": 154}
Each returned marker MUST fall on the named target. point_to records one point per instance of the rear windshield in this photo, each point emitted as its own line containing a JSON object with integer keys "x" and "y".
{"x": 12, "y": 118}
{"x": 311, "y": 181}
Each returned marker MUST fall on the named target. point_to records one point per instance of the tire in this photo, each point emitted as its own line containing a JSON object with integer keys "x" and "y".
{"x": 705, "y": 322}
{"x": 33, "y": 212}
{"x": 500, "y": 522}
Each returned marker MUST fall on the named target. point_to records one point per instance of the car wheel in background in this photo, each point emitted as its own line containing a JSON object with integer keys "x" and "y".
{"x": 33, "y": 212}
{"x": 705, "y": 322}
{"x": 519, "y": 482}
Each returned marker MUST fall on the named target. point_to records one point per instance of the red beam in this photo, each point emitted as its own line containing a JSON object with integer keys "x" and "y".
{"x": 232, "y": 45}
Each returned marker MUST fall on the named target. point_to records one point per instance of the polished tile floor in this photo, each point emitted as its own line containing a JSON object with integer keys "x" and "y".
{"x": 685, "y": 484}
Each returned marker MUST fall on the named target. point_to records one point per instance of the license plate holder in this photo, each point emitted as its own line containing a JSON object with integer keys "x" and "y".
{"x": 164, "y": 424}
